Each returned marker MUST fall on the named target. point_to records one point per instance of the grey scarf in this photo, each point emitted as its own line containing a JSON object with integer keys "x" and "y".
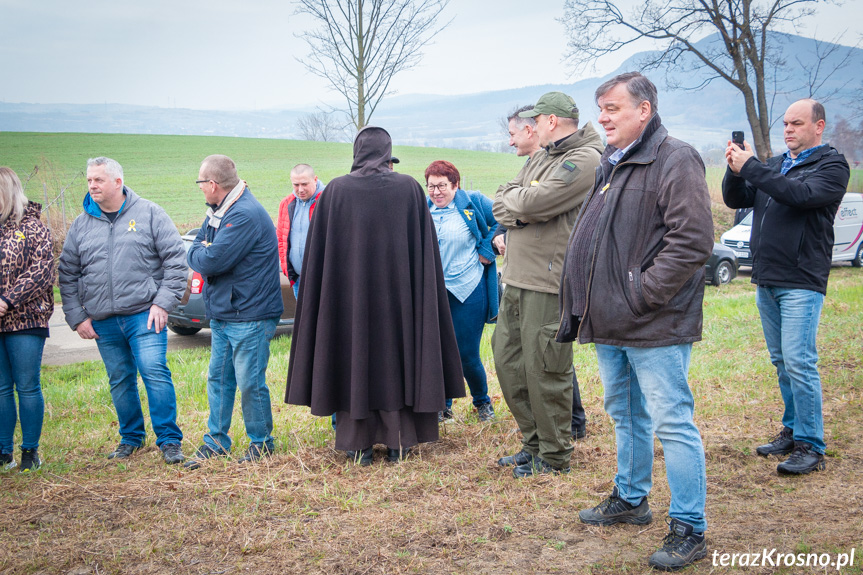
{"x": 216, "y": 215}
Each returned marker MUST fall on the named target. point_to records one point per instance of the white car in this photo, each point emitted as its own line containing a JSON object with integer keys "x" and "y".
{"x": 847, "y": 234}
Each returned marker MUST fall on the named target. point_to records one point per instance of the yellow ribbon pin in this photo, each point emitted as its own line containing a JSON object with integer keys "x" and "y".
{"x": 468, "y": 213}
{"x": 19, "y": 236}
{"x": 132, "y": 226}
{"x": 534, "y": 183}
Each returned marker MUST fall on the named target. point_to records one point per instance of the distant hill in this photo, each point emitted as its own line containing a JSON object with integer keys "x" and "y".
{"x": 127, "y": 119}
{"x": 704, "y": 117}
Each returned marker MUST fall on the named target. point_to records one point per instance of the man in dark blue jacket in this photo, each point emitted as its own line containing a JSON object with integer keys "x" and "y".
{"x": 237, "y": 253}
{"x": 795, "y": 197}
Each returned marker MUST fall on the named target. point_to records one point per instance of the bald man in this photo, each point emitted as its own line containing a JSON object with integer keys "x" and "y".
{"x": 795, "y": 197}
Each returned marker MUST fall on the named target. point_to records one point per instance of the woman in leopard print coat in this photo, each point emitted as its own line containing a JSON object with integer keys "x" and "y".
{"x": 26, "y": 304}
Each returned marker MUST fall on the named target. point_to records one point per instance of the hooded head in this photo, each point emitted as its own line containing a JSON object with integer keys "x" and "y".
{"x": 373, "y": 149}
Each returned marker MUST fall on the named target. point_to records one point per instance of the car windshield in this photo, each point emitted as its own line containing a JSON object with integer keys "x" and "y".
{"x": 747, "y": 220}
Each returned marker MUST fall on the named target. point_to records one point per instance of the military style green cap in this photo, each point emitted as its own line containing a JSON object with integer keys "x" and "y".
{"x": 556, "y": 103}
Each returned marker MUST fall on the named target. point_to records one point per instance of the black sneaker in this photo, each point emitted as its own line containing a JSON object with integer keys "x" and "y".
{"x": 363, "y": 458}
{"x": 30, "y": 460}
{"x": 256, "y": 452}
{"x": 445, "y": 416}
{"x": 485, "y": 412}
{"x": 537, "y": 467}
{"x": 781, "y": 444}
{"x": 579, "y": 432}
{"x": 123, "y": 451}
{"x": 802, "y": 460}
{"x": 7, "y": 462}
{"x": 681, "y": 547}
{"x": 519, "y": 458}
{"x": 202, "y": 454}
{"x": 616, "y": 510}
{"x": 172, "y": 453}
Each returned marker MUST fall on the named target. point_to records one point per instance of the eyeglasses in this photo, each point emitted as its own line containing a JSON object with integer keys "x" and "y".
{"x": 442, "y": 187}
{"x": 205, "y": 181}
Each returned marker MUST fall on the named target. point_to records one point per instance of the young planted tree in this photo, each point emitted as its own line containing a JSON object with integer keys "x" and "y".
{"x": 744, "y": 56}
{"x": 359, "y": 45}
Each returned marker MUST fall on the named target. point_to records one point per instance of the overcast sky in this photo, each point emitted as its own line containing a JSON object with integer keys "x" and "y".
{"x": 219, "y": 54}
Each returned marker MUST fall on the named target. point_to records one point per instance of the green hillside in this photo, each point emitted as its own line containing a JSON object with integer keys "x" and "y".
{"x": 164, "y": 168}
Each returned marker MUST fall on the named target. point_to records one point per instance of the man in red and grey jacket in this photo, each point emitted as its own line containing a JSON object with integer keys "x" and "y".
{"x": 291, "y": 229}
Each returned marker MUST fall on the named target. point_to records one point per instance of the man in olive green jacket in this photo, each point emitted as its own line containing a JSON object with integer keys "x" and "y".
{"x": 538, "y": 209}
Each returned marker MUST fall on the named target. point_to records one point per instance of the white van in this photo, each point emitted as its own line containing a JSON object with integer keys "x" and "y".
{"x": 847, "y": 234}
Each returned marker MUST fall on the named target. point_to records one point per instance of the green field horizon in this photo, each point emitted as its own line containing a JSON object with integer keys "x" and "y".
{"x": 164, "y": 168}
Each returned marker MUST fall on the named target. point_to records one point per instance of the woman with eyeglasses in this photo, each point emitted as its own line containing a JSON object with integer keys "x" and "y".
{"x": 26, "y": 304}
{"x": 465, "y": 226}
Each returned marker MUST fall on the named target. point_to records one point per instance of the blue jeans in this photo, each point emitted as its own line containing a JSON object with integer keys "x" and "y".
{"x": 127, "y": 348}
{"x": 20, "y": 365}
{"x": 789, "y": 318}
{"x": 240, "y": 354}
{"x": 468, "y": 319}
{"x": 646, "y": 392}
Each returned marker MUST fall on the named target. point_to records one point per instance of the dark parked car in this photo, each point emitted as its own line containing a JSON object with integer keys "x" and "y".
{"x": 190, "y": 315}
{"x": 721, "y": 266}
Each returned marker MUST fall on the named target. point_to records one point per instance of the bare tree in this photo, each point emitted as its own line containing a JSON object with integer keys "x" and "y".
{"x": 320, "y": 126}
{"x": 847, "y": 139}
{"x": 360, "y": 45}
{"x": 743, "y": 56}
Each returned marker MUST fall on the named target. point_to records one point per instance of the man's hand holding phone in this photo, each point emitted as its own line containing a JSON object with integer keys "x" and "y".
{"x": 737, "y": 152}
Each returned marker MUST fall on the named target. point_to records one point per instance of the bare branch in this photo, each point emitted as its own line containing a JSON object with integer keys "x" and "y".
{"x": 742, "y": 54}
{"x": 359, "y": 45}
{"x": 817, "y": 76}
{"x": 321, "y": 126}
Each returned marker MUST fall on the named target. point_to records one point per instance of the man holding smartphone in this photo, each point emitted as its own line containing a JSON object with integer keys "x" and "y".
{"x": 795, "y": 197}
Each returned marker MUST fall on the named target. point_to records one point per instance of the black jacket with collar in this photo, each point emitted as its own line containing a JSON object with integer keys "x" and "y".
{"x": 792, "y": 224}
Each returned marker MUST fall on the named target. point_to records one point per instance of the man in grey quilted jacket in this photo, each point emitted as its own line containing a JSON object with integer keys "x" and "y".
{"x": 123, "y": 268}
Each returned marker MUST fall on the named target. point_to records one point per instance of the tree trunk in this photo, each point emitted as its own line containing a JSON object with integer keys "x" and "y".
{"x": 361, "y": 69}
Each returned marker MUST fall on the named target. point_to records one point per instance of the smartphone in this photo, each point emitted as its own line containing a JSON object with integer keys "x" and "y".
{"x": 737, "y": 138}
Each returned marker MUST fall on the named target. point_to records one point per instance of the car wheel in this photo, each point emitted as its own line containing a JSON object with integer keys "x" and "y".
{"x": 180, "y": 330}
{"x": 858, "y": 259}
{"x": 723, "y": 273}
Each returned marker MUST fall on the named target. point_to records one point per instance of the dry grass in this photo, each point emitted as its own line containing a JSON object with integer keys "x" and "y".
{"x": 449, "y": 509}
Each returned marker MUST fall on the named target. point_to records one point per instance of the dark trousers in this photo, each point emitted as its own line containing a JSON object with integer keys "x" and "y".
{"x": 579, "y": 419}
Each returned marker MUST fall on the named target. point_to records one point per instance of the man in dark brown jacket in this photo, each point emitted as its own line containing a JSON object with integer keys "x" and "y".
{"x": 633, "y": 284}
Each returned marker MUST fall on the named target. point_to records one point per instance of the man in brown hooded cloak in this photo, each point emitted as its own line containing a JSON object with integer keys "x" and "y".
{"x": 373, "y": 338}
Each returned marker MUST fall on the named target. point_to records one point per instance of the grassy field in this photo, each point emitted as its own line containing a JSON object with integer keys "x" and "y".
{"x": 164, "y": 168}
{"x": 450, "y": 509}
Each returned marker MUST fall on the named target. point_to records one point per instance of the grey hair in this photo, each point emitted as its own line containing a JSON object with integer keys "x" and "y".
{"x": 520, "y": 122}
{"x": 639, "y": 87}
{"x": 222, "y": 170}
{"x": 818, "y": 112}
{"x": 13, "y": 202}
{"x": 112, "y": 167}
